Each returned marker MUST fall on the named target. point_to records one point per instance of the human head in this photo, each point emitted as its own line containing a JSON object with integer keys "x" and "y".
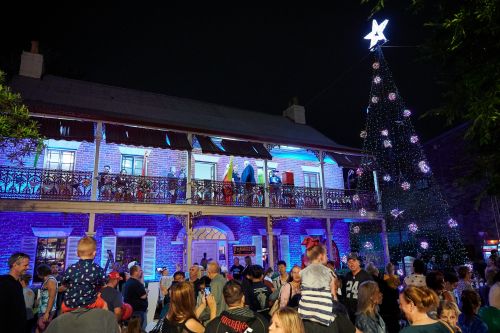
{"x": 353, "y": 262}
{"x": 369, "y": 296}
{"x": 236, "y": 261}
{"x": 450, "y": 281}
{"x": 471, "y": 302}
{"x": 317, "y": 253}
{"x": 418, "y": 266}
{"x": 25, "y": 280}
{"x": 282, "y": 267}
{"x": 164, "y": 271}
{"x": 248, "y": 260}
{"x": 269, "y": 271}
{"x": 286, "y": 320}
{"x": 136, "y": 272}
{"x": 181, "y": 302}
{"x": 213, "y": 269}
{"x": 494, "y": 296}
{"x": 54, "y": 267}
{"x": 114, "y": 278}
{"x": 86, "y": 248}
{"x": 194, "y": 272}
{"x": 233, "y": 294}
{"x": 464, "y": 273}
{"x": 179, "y": 276}
{"x": 389, "y": 268}
{"x": 18, "y": 263}
{"x": 435, "y": 281}
{"x": 43, "y": 270}
{"x": 372, "y": 269}
{"x": 449, "y": 312}
{"x": 294, "y": 274}
{"x": 107, "y": 168}
{"x": 256, "y": 272}
{"x": 414, "y": 301}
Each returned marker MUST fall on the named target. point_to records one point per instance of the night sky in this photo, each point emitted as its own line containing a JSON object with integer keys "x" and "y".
{"x": 251, "y": 58}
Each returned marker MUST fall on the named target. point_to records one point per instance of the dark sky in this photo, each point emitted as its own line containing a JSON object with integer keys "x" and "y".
{"x": 252, "y": 58}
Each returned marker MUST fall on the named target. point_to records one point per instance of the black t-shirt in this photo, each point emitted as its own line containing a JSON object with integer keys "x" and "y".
{"x": 112, "y": 297}
{"x": 257, "y": 297}
{"x": 132, "y": 292}
{"x": 12, "y": 306}
{"x": 350, "y": 290}
{"x": 236, "y": 271}
{"x": 341, "y": 324}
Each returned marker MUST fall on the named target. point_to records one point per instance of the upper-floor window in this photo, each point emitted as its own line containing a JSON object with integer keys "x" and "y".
{"x": 133, "y": 164}
{"x": 58, "y": 159}
{"x": 311, "y": 179}
{"x": 205, "y": 170}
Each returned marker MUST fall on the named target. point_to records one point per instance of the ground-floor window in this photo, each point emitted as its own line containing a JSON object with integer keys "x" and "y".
{"x": 265, "y": 252}
{"x": 49, "y": 251}
{"x": 128, "y": 249}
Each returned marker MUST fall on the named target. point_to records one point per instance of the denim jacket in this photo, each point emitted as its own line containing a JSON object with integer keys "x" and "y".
{"x": 369, "y": 324}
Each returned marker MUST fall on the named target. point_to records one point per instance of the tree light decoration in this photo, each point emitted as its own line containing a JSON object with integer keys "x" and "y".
{"x": 387, "y": 144}
{"x": 355, "y": 198}
{"x": 377, "y": 33}
{"x": 363, "y": 134}
{"x": 387, "y": 178}
{"x": 424, "y": 245}
{"x": 423, "y": 166}
{"x": 368, "y": 245}
{"x": 405, "y": 186}
{"x": 414, "y": 139}
{"x": 377, "y": 79}
{"x": 376, "y": 65}
{"x": 406, "y": 113}
{"x": 452, "y": 223}
{"x": 392, "y": 96}
{"x": 396, "y": 212}
{"x": 362, "y": 212}
{"x": 384, "y": 132}
{"x": 359, "y": 171}
{"x": 374, "y": 99}
{"x": 356, "y": 229}
{"x": 412, "y": 227}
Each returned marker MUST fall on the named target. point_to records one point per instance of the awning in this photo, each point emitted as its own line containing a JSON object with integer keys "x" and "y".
{"x": 208, "y": 146}
{"x": 71, "y": 130}
{"x": 245, "y": 149}
{"x": 346, "y": 161}
{"x": 136, "y": 136}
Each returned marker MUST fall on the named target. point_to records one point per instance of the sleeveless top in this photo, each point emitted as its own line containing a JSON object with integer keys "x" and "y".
{"x": 169, "y": 327}
{"x": 44, "y": 296}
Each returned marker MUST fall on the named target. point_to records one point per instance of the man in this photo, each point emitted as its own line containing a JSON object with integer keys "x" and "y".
{"x": 194, "y": 273}
{"x": 179, "y": 276}
{"x": 417, "y": 278}
{"x": 237, "y": 318}
{"x": 236, "y": 269}
{"x": 257, "y": 295}
{"x": 282, "y": 279}
{"x": 112, "y": 296}
{"x": 353, "y": 279}
{"x": 217, "y": 283}
{"x": 136, "y": 295}
{"x": 12, "y": 306}
{"x": 248, "y": 263}
{"x": 84, "y": 320}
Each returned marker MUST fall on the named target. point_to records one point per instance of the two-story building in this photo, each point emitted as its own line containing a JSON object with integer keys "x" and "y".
{"x": 146, "y": 175}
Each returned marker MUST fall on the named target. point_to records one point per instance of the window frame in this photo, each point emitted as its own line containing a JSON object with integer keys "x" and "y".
{"x": 307, "y": 179}
{"x": 134, "y": 158}
{"x": 48, "y": 154}
{"x": 214, "y": 169}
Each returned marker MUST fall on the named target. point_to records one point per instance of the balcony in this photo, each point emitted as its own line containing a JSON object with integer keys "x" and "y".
{"x": 42, "y": 184}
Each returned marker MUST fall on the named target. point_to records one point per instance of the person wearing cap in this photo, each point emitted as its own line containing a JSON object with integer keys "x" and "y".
{"x": 112, "y": 296}
{"x": 352, "y": 280}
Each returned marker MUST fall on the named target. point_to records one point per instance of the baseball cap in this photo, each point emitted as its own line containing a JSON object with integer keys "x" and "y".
{"x": 115, "y": 275}
{"x": 132, "y": 263}
{"x": 353, "y": 255}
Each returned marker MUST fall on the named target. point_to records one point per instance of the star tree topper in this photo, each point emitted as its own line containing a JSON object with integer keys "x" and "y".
{"x": 377, "y": 33}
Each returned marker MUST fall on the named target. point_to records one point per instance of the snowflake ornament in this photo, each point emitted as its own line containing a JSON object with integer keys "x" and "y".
{"x": 387, "y": 144}
{"x": 359, "y": 171}
{"x": 374, "y": 99}
{"x": 387, "y": 178}
{"x": 406, "y": 113}
{"x": 376, "y": 65}
{"x": 344, "y": 259}
{"x": 396, "y": 212}
{"x": 452, "y": 223}
{"x": 413, "y": 227}
{"x": 355, "y": 229}
{"x": 363, "y": 134}
{"x": 424, "y": 245}
{"x": 368, "y": 245}
{"x": 423, "y": 166}
{"x": 377, "y": 79}
{"x": 414, "y": 139}
{"x": 392, "y": 96}
{"x": 355, "y": 198}
{"x": 405, "y": 186}
{"x": 362, "y": 212}
{"x": 384, "y": 132}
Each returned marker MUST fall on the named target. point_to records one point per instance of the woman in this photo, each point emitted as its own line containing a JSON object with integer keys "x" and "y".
{"x": 48, "y": 297}
{"x": 286, "y": 320}
{"x": 435, "y": 281}
{"x": 368, "y": 319}
{"x": 165, "y": 283}
{"x": 469, "y": 321}
{"x": 290, "y": 292}
{"x": 449, "y": 312}
{"x": 415, "y": 302}
{"x": 181, "y": 317}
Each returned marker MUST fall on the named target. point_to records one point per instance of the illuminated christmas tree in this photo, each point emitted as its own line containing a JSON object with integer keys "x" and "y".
{"x": 411, "y": 200}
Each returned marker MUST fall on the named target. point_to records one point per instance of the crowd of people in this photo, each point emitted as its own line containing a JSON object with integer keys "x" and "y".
{"x": 314, "y": 298}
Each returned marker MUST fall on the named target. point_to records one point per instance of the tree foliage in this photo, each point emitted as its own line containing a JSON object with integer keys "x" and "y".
{"x": 465, "y": 42}
{"x": 19, "y": 135}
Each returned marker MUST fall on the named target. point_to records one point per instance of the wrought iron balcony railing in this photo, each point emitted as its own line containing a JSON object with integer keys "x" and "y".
{"x": 33, "y": 183}
{"x": 217, "y": 193}
{"x": 289, "y": 196}
{"x": 350, "y": 200}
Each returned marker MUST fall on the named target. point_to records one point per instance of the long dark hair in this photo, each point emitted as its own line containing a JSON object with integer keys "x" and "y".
{"x": 181, "y": 303}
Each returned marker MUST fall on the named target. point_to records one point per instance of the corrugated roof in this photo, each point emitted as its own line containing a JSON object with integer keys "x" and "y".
{"x": 139, "y": 107}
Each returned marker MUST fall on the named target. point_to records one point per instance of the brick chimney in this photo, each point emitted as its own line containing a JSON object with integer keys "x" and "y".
{"x": 295, "y": 112}
{"x": 31, "y": 62}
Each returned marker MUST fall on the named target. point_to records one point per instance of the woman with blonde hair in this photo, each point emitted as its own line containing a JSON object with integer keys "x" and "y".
{"x": 286, "y": 320}
{"x": 368, "y": 319}
{"x": 449, "y": 312}
{"x": 415, "y": 302}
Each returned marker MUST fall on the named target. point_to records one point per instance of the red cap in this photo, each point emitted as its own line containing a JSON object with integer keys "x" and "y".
{"x": 115, "y": 275}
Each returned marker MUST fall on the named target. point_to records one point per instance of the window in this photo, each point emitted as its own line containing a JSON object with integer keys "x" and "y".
{"x": 128, "y": 249}
{"x": 133, "y": 164}
{"x": 204, "y": 170}
{"x": 58, "y": 159}
{"x": 48, "y": 251}
{"x": 311, "y": 179}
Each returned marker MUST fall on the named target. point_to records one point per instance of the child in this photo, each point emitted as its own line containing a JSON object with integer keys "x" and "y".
{"x": 449, "y": 312}
{"x": 84, "y": 278}
{"x": 318, "y": 286}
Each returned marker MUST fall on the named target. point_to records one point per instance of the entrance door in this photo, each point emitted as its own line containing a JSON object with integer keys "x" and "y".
{"x": 204, "y": 246}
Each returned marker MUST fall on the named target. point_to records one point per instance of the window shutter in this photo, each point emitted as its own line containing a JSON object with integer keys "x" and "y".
{"x": 28, "y": 246}
{"x": 257, "y": 242}
{"x": 285, "y": 250}
{"x": 107, "y": 243}
{"x": 149, "y": 257}
{"x": 71, "y": 249}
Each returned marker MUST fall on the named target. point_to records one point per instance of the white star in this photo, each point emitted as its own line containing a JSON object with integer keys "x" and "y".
{"x": 377, "y": 33}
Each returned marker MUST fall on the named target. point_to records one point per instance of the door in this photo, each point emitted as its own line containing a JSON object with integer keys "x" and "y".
{"x": 209, "y": 247}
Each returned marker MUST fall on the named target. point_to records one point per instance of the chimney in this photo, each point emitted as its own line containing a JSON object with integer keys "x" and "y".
{"x": 31, "y": 62}
{"x": 295, "y": 112}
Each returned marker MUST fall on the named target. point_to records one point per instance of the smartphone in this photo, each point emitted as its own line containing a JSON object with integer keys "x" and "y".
{"x": 208, "y": 291}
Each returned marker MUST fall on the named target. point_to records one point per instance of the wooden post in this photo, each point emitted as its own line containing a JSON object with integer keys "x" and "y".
{"x": 91, "y": 229}
{"x": 189, "y": 239}
{"x": 329, "y": 238}
{"x": 189, "y": 171}
{"x": 266, "y": 184}
{"x": 95, "y": 174}
{"x": 322, "y": 175}
{"x": 270, "y": 238}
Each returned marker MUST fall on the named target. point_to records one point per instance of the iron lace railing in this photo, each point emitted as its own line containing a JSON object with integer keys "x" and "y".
{"x": 219, "y": 193}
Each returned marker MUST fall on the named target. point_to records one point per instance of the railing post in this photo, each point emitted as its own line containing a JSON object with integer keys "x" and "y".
{"x": 329, "y": 238}
{"x": 95, "y": 174}
{"x": 270, "y": 238}
{"x": 322, "y": 176}
{"x": 266, "y": 185}
{"x": 189, "y": 171}
{"x": 377, "y": 192}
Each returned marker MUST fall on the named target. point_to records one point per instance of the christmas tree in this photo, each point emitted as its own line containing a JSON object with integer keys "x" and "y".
{"x": 411, "y": 199}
